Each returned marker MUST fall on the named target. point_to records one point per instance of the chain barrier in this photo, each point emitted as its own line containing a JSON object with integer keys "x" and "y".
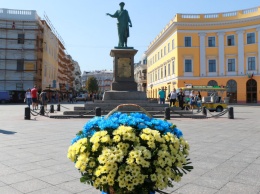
{"x": 217, "y": 115}
{"x": 32, "y": 111}
{"x": 38, "y": 113}
{"x": 64, "y": 107}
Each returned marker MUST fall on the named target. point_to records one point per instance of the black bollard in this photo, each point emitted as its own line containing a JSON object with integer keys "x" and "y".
{"x": 230, "y": 113}
{"x": 42, "y": 110}
{"x": 167, "y": 113}
{"x": 98, "y": 111}
{"x": 58, "y": 107}
{"x": 204, "y": 111}
{"x": 51, "y": 108}
{"x": 27, "y": 113}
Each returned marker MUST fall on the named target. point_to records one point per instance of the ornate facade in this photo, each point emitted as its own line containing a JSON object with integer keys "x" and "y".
{"x": 208, "y": 49}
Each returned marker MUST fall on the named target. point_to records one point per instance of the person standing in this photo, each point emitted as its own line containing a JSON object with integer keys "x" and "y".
{"x": 28, "y": 97}
{"x": 198, "y": 101}
{"x": 123, "y": 24}
{"x": 180, "y": 96}
{"x": 192, "y": 100}
{"x": 44, "y": 99}
{"x": 173, "y": 96}
{"x": 34, "y": 94}
{"x": 161, "y": 96}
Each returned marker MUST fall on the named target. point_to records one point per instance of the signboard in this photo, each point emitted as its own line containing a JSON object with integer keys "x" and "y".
{"x": 29, "y": 66}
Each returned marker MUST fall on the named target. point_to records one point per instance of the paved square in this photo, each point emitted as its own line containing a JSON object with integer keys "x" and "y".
{"x": 33, "y": 158}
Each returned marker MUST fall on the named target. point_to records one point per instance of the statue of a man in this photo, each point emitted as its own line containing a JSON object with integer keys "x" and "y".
{"x": 122, "y": 25}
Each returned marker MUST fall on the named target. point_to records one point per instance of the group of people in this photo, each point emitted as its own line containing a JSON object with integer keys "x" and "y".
{"x": 195, "y": 99}
{"x": 32, "y": 98}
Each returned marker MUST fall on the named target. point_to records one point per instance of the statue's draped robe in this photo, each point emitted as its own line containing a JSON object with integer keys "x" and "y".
{"x": 122, "y": 26}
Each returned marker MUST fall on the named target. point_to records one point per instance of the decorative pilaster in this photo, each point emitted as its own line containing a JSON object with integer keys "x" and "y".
{"x": 240, "y": 46}
{"x": 258, "y": 57}
{"x": 221, "y": 53}
{"x": 202, "y": 54}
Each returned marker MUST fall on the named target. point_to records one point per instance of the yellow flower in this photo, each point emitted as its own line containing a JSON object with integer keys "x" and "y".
{"x": 97, "y": 173}
{"x": 82, "y": 168}
{"x": 116, "y": 138}
{"x": 153, "y": 177}
{"x": 105, "y": 139}
{"x": 95, "y": 147}
{"x": 103, "y": 179}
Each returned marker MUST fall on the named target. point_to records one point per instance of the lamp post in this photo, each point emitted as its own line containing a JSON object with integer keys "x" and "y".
{"x": 151, "y": 86}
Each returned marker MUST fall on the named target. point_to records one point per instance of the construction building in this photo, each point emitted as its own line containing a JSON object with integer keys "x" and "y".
{"x": 218, "y": 49}
{"x": 32, "y": 53}
{"x": 21, "y": 51}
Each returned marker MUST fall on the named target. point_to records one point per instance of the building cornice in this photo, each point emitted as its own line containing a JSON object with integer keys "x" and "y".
{"x": 173, "y": 26}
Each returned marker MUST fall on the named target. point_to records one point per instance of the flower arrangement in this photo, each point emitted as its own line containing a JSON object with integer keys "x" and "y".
{"x": 130, "y": 153}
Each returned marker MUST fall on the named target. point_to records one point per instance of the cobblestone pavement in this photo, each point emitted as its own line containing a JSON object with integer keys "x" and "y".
{"x": 33, "y": 158}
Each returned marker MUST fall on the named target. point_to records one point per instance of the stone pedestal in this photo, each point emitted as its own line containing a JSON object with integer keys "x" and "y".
{"x": 123, "y": 79}
{"x": 124, "y": 87}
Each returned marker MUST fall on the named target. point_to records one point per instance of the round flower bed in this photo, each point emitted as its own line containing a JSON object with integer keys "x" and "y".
{"x": 130, "y": 153}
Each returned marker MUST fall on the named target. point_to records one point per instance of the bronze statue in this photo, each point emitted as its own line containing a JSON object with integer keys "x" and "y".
{"x": 122, "y": 25}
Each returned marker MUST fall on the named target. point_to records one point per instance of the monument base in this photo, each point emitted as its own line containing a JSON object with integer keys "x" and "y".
{"x": 124, "y": 95}
{"x": 122, "y": 86}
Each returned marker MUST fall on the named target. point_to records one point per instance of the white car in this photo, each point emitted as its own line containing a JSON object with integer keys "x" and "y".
{"x": 81, "y": 97}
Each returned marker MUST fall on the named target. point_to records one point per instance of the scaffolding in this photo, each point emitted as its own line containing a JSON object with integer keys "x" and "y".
{"x": 21, "y": 51}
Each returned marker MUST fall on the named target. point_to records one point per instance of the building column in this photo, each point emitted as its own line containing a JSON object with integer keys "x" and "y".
{"x": 240, "y": 45}
{"x": 258, "y": 57}
{"x": 221, "y": 48}
{"x": 202, "y": 54}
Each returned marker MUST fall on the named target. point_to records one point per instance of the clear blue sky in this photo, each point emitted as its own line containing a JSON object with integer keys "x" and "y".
{"x": 89, "y": 34}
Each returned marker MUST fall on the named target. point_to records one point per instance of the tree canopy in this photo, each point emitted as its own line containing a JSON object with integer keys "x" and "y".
{"x": 92, "y": 85}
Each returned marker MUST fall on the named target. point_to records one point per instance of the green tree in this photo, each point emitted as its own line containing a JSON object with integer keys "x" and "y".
{"x": 92, "y": 85}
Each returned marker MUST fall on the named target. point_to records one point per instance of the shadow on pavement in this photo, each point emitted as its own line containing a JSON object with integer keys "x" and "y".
{"x": 7, "y": 132}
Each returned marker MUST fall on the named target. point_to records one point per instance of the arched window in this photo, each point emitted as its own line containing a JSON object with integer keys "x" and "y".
{"x": 251, "y": 91}
{"x": 212, "y": 83}
{"x": 232, "y": 91}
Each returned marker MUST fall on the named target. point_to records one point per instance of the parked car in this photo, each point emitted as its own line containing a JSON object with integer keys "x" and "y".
{"x": 81, "y": 97}
{"x": 4, "y": 97}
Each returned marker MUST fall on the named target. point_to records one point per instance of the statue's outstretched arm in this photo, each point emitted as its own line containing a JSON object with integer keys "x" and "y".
{"x": 113, "y": 16}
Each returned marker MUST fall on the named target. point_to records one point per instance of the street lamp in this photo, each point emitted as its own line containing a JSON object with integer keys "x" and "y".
{"x": 151, "y": 86}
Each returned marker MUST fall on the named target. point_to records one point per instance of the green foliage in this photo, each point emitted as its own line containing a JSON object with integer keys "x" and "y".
{"x": 92, "y": 85}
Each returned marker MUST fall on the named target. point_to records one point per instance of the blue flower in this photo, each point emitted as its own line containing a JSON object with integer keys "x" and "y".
{"x": 177, "y": 132}
{"x": 138, "y": 121}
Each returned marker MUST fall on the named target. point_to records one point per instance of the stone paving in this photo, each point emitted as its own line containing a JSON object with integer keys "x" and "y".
{"x": 33, "y": 158}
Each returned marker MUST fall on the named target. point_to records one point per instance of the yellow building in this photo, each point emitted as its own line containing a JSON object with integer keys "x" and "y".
{"x": 220, "y": 49}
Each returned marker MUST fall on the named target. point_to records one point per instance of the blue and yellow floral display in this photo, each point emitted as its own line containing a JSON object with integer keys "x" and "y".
{"x": 130, "y": 153}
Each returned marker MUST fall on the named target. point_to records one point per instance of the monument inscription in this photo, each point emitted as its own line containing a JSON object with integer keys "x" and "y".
{"x": 124, "y": 67}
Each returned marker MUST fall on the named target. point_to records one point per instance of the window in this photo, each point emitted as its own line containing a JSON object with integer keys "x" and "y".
{"x": 161, "y": 53}
{"x": 164, "y": 50}
{"x": 165, "y": 73}
{"x": 231, "y": 40}
{"x": 161, "y": 73}
{"x": 188, "y": 65}
{"x": 169, "y": 47}
{"x": 158, "y": 55}
{"x": 211, "y": 42}
{"x": 231, "y": 65}
{"x": 187, "y": 41}
{"x": 172, "y": 43}
{"x": 173, "y": 69}
{"x": 212, "y": 65}
{"x": 20, "y": 66}
{"x": 20, "y": 39}
{"x": 250, "y": 38}
{"x": 169, "y": 69}
{"x": 251, "y": 63}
